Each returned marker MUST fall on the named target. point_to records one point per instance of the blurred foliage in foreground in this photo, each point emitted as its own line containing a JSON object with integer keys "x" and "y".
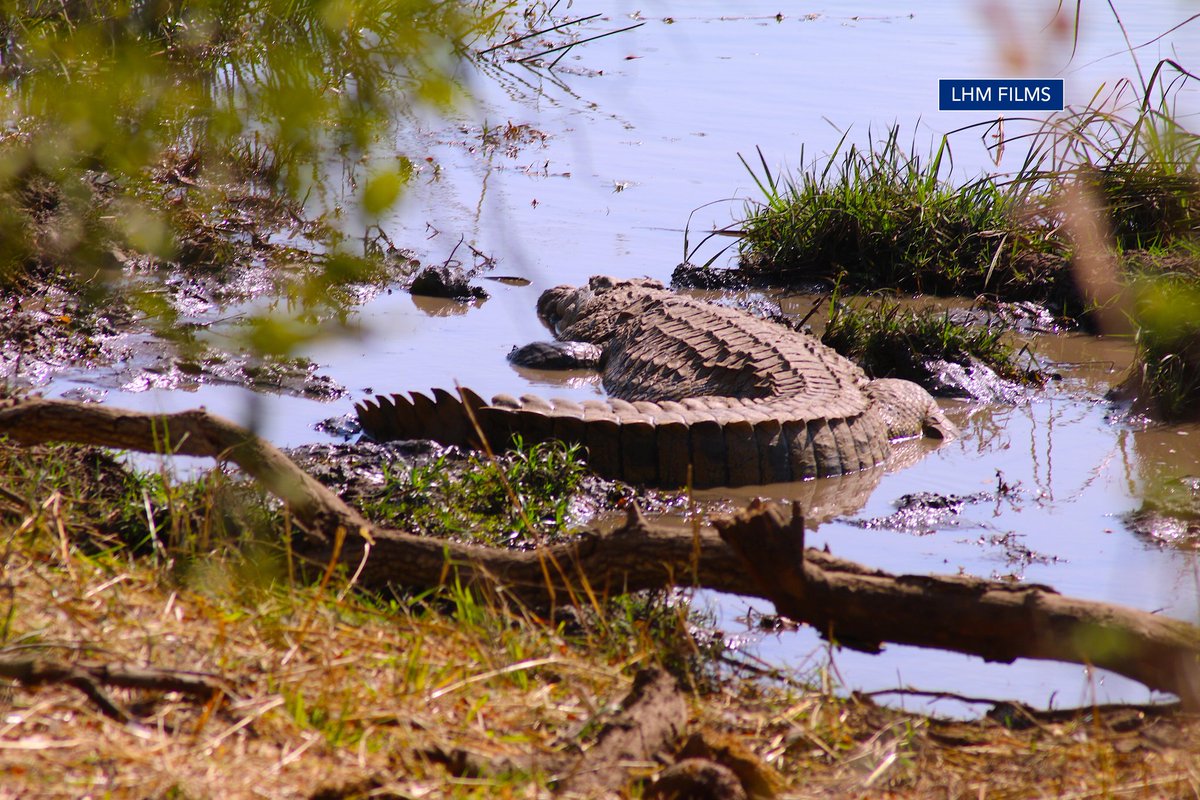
{"x": 126, "y": 123}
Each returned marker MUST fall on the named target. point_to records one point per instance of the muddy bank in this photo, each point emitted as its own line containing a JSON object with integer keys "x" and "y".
{"x": 135, "y": 321}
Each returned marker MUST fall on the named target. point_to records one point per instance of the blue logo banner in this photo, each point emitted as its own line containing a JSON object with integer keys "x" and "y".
{"x": 1004, "y": 94}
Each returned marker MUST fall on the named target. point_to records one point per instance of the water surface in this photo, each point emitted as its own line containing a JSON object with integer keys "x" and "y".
{"x": 612, "y": 152}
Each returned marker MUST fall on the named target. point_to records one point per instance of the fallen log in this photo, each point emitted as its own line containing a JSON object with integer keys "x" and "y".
{"x": 759, "y": 552}
{"x": 186, "y": 433}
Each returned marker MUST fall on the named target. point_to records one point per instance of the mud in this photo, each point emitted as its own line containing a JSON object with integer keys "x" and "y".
{"x": 142, "y": 323}
{"x": 46, "y": 329}
{"x": 447, "y": 282}
{"x": 50, "y": 331}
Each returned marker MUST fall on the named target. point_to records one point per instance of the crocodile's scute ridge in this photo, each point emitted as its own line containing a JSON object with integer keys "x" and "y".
{"x": 694, "y": 388}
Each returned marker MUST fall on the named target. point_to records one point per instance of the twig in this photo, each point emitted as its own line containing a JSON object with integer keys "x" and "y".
{"x": 511, "y": 42}
{"x": 581, "y": 41}
{"x": 561, "y": 56}
{"x": 14, "y": 497}
{"x": 87, "y": 678}
{"x": 962, "y": 698}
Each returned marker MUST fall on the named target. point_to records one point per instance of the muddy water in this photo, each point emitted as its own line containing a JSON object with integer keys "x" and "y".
{"x": 1075, "y": 474}
{"x": 596, "y": 166}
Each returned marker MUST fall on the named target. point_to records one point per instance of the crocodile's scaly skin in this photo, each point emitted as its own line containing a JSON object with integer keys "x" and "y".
{"x": 735, "y": 399}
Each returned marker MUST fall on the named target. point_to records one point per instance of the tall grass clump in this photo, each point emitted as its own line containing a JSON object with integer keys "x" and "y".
{"x": 1130, "y": 162}
{"x": 1131, "y": 154}
{"x": 890, "y": 340}
{"x": 885, "y": 217}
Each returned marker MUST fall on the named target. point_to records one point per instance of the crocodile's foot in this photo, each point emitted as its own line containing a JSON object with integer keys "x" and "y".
{"x": 558, "y": 355}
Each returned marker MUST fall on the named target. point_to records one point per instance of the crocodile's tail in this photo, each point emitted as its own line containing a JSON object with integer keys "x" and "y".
{"x": 725, "y": 441}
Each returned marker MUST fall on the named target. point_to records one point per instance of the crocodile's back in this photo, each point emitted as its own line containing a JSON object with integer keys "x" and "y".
{"x": 672, "y": 347}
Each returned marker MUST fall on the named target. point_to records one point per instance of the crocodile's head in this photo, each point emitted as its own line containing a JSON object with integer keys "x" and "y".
{"x": 563, "y": 306}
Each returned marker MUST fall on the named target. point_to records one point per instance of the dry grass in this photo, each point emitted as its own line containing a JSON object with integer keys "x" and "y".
{"x": 339, "y": 695}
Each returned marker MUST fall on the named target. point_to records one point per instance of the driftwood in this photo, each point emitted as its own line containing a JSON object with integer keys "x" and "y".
{"x": 759, "y": 552}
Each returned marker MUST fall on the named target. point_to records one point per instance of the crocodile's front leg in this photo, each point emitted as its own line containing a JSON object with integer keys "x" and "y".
{"x": 558, "y": 355}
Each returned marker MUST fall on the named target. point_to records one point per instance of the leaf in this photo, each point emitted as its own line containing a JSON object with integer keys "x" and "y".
{"x": 382, "y": 190}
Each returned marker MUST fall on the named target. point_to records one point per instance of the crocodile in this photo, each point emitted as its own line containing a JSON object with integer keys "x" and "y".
{"x": 697, "y": 393}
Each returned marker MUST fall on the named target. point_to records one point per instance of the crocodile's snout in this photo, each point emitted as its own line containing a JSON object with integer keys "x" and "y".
{"x": 561, "y": 307}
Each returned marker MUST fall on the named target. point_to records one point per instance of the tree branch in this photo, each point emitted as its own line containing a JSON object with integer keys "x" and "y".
{"x": 88, "y": 678}
{"x": 759, "y": 552}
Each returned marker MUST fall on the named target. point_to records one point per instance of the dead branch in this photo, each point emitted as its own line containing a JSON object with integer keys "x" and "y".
{"x": 994, "y": 620}
{"x": 88, "y": 679}
{"x": 759, "y": 553}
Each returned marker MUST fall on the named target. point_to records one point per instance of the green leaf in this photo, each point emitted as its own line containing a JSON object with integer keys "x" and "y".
{"x": 382, "y": 190}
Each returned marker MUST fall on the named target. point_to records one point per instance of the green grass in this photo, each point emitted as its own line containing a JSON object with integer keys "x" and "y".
{"x": 891, "y": 341}
{"x": 1166, "y": 374}
{"x": 521, "y": 494}
{"x": 885, "y": 217}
